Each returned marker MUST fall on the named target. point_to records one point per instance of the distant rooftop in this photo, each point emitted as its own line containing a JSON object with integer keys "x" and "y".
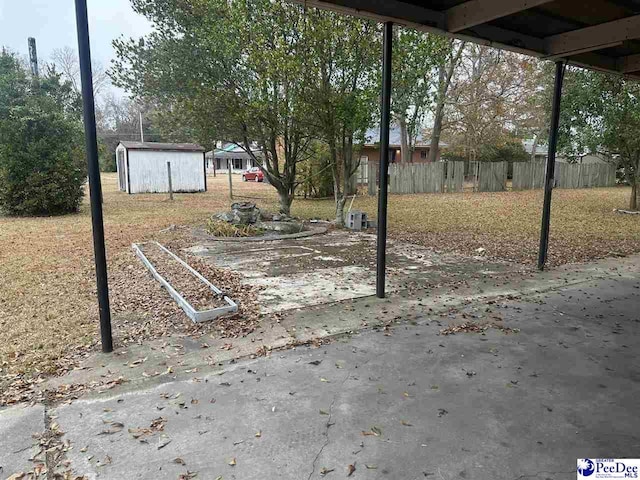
{"x": 541, "y": 148}
{"x": 372, "y": 138}
{"x": 233, "y": 150}
{"x": 174, "y": 147}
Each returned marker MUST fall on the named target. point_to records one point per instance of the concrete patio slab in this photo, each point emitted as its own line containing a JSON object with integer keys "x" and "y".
{"x": 403, "y": 402}
{"x": 17, "y": 446}
{"x": 339, "y": 266}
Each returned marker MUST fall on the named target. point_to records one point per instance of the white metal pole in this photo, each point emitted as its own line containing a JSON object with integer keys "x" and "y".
{"x": 141, "y": 129}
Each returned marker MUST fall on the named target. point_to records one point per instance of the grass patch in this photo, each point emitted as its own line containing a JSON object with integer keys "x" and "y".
{"x": 48, "y": 304}
{"x": 219, "y": 228}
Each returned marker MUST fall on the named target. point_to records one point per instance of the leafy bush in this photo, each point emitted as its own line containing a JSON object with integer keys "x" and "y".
{"x": 42, "y": 167}
{"x": 510, "y": 151}
{"x": 107, "y": 159}
{"x": 316, "y": 174}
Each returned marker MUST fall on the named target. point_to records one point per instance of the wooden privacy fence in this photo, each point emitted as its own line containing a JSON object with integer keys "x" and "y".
{"x": 492, "y": 176}
{"x": 436, "y": 177}
{"x": 530, "y": 175}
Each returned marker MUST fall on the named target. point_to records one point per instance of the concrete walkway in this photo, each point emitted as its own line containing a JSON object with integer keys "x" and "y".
{"x": 401, "y": 402}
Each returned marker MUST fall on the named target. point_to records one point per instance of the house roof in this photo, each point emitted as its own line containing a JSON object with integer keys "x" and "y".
{"x": 172, "y": 147}
{"x": 232, "y": 150}
{"x": 596, "y": 34}
{"x": 372, "y": 138}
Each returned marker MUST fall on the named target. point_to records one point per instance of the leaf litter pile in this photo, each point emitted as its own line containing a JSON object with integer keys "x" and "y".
{"x": 143, "y": 309}
{"x": 192, "y": 289}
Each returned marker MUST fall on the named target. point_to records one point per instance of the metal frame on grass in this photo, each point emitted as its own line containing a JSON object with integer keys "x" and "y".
{"x": 196, "y": 315}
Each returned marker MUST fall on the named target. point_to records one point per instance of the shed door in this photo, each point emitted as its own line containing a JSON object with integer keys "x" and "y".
{"x": 122, "y": 178}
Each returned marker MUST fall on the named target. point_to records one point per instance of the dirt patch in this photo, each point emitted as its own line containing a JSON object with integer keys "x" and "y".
{"x": 191, "y": 288}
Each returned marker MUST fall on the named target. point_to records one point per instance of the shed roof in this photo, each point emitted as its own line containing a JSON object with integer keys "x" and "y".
{"x": 596, "y": 34}
{"x": 172, "y": 147}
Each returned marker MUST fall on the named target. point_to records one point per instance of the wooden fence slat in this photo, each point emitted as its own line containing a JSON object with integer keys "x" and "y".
{"x": 530, "y": 175}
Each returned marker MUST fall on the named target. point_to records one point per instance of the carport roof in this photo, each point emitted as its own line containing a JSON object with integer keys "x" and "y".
{"x": 596, "y": 34}
{"x": 173, "y": 147}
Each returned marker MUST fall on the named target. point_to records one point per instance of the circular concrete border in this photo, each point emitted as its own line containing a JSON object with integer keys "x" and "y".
{"x": 202, "y": 234}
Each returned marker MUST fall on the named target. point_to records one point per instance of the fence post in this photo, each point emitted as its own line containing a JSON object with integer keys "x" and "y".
{"x": 169, "y": 178}
{"x": 229, "y": 166}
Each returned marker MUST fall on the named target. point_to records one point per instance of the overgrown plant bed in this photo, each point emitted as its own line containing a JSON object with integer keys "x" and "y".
{"x": 199, "y": 299}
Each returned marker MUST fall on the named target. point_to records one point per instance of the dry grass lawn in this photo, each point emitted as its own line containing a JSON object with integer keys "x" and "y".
{"x": 47, "y": 289}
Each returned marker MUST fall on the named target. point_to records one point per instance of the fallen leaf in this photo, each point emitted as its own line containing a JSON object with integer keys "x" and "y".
{"x": 163, "y": 441}
{"x": 351, "y": 469}
{"x": 114, "y": 427}
{"x": 233, "y": 462}
{"x": 189, "y": 475}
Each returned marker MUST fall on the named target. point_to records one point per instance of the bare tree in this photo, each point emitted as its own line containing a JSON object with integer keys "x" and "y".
{"x": 487, "y": 104}
{"x": 65, "y": 60}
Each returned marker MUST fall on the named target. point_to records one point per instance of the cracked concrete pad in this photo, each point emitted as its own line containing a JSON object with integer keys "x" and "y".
{"x": 17, "y": 445}
{"x": 340, "y": 265}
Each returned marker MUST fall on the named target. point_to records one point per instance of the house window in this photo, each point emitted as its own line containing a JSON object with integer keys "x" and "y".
{"x": 237, "y": 164}
{"x": 423, "y": 154}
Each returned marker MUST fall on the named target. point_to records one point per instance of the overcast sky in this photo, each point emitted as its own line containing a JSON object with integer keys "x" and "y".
{"x": 53, "y": 24}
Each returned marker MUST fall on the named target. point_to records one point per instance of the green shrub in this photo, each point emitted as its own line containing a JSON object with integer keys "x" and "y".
{"x": 107, "y": 159}
{"x": 42, "y": 167}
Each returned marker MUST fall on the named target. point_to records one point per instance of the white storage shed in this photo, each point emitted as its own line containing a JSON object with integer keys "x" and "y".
{"x": 142, "y": 167}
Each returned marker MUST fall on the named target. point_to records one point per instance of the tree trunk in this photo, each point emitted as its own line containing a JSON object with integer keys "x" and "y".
{"x": 340, "y": 202}
{"x": 445, "y": 74}
{"x": 434, "y": 147}
{"x": 633, "y": 204}
{"x": 285, "y": 202}
{"x": 405, "y": 153}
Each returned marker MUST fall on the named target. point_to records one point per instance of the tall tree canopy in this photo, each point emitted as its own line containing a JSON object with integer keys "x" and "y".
{"x": 417, "y": 57}
{"x": 234, "y": 69}
{"x": 343, "y": 72}
{"x": 600, "y": 114}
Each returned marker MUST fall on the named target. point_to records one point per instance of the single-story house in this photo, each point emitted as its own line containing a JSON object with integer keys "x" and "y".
{"x": 142, "y": 167}
{"x": 231, "y": 154}
{"x": 542, "y": 152}
{"x": 371, "y": 149}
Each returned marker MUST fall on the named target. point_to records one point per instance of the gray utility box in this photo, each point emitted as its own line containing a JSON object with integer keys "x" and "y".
{"x": 356, "y": 220}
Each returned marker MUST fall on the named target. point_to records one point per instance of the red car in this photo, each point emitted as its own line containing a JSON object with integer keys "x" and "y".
{"x": 253, "y": 174}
